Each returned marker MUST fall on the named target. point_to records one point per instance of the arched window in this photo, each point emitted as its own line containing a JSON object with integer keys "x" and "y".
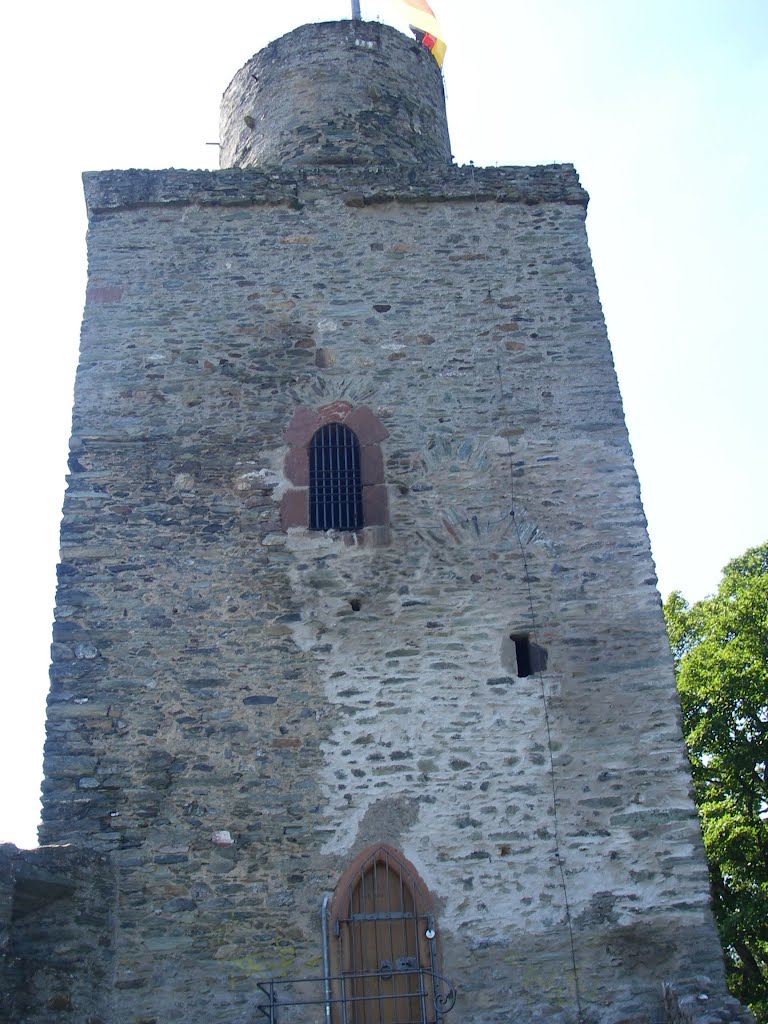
{"x": 334, "y": 468}
{"x": 335, "y": 483}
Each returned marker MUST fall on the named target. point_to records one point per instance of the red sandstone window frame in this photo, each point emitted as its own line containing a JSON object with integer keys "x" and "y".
{"x": 369, "y": 431}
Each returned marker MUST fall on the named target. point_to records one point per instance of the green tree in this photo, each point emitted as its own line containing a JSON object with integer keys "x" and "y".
{"x": 720, "y": 647}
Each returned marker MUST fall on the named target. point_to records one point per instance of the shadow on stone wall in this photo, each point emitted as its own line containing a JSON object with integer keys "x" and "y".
{"x": 55, "y": 935}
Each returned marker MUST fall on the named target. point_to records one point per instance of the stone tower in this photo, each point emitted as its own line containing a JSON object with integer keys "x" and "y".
{"x": 361, "y": 699}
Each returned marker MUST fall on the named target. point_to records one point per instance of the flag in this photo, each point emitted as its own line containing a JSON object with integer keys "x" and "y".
{"x": 423, "y": 24}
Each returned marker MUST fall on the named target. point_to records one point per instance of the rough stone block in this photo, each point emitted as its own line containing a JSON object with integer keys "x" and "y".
{"x": 371, "y": 465}
{"x": 303, "y": 424}
{"x": 294, "y": 509}
{"x": 375, "y": 505}
{"x": 366, "y": 425}
{"x": 335, "y": 412}
{"x": 296, "y": 466}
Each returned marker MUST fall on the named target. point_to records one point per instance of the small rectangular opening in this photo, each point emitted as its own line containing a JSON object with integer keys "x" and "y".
{"x": 523, "y": 655}
{"x": 529, "y": 656}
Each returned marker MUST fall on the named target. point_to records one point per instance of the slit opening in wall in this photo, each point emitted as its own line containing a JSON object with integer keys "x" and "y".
{"x": 529, "y": 657}
{"x": 522, "y": 644}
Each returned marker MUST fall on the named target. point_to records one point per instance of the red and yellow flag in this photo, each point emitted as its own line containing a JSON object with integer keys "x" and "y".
{"x": 423, "y": 23}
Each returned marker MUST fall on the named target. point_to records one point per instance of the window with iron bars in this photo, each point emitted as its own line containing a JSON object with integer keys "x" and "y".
{"x": 335, "y": 483}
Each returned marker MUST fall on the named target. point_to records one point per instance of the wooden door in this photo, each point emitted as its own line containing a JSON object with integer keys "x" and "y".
{"x": 384, "y": 934}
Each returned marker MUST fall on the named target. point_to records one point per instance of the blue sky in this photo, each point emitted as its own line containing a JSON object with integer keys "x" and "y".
{"x": 662, "y": 108}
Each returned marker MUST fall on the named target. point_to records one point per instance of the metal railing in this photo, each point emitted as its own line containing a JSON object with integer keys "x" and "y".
{"x": 432, "y": 994}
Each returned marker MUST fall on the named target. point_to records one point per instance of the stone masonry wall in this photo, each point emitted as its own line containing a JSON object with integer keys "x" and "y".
{"x": 343, "y": 92}
{"x": 238, "y": 709}
{"x": 697, "y": 1001}
{"x": 56, "y": 935}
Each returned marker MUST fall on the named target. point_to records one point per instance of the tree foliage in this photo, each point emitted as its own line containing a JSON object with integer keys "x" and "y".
{"x": 720, "y": 647}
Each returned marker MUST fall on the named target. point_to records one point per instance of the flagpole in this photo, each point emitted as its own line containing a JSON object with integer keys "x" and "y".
{"x": 356, "y": 10}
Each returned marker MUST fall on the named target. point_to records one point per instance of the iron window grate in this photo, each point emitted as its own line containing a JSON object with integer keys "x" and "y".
{"x": 335, "y": 485}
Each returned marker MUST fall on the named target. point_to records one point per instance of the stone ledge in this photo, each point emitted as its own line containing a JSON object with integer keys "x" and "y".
{"x": 696, "y": 1000}
{"x": 355, "y": 186}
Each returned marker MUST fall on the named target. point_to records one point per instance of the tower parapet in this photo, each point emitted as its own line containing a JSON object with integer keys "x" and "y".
{"x": 338, "y": 93}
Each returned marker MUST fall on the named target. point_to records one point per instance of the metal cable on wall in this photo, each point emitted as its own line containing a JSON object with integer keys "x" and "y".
{"x": 539, "y": 674}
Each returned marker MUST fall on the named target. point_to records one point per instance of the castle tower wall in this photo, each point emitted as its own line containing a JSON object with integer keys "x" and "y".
{"x": 339, "y": 93}
{"x": 475, "y": 681}
{"x": 240, "y": 705}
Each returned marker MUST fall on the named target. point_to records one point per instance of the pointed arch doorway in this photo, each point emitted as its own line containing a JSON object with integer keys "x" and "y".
{"x": 384, "y": 944}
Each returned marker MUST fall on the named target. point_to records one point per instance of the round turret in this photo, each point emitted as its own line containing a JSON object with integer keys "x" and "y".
{"x": 337, "y": 93}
